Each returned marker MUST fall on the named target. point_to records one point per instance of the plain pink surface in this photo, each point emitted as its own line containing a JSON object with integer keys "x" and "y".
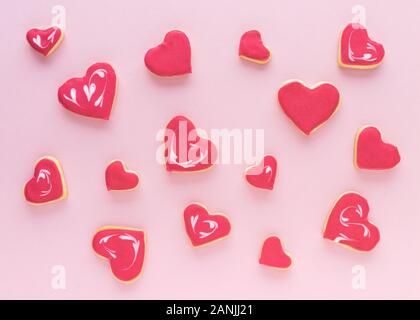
{"x": 222, "y": 92}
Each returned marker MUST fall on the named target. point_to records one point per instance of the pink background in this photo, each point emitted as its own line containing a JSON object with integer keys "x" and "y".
{"x": 222, "y": 92}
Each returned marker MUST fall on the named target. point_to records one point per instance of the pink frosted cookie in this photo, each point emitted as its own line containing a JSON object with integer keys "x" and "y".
{"x": 263, "y": 174}
{"x": 47, "y": 184}
{"x": 92, "y": 95}
{"x": 273, "y": 255}
{"x": 348, "y": 224}
{"x": 370, "y": 152}
{"x": 357, "y": 50}
{"x": 124, "y": 248}
{"x": 185, "y": 150}
{"x": 308, "y": 107}
{"x": 203, "y": 228}
{"x": 117, "y": 177}
{"x": 172, "y": 57}
{"x": 45, "y": 41}
{"x": 252, "y": 48}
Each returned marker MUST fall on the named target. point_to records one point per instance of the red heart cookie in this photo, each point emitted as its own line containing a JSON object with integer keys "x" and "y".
{"x": 357, "y": 50}
{"x": 308, "y": 108}
{"x": 263, "y": 174}
{"x": 370, "y": 152}
{"x": 348, "y": 223}
{"x": 172, "y": 57}
{"x": 124, "y": 248}
{"x": 252, "y": 48}
{"x": 45, "y": 41}
{"x": 117, "y": 177}
{"x": 47, "y": 184}
{"x": 203, "y": 228}
{"x": 185, "y": 150}
{"x": 273, "y": 255}
{"x": 92, "y": 95}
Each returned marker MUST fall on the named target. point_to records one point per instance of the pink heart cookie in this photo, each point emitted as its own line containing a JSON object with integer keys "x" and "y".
{"x": 203, "y": 228}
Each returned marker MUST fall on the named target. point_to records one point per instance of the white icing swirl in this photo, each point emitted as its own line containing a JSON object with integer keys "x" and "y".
{"x": 45, "y": 175}
{"x": 135, "y": 243}
{"x": 89, "y": 89}
{"x": 367, "y": 56}
{"x": 345, "y": 222}
{"x": 213, "y": 225}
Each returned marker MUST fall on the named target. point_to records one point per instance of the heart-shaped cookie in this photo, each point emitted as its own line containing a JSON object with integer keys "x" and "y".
{"x": 124, "y": 248}
{"x": 92, "y": 95}
{"x": 308, "y": 108}
{"x": 117, "y": 177}
{"x": 47, "y": 184}
{"x": 273, "y": 255}
{"x": 45, "y": 41}
{"x": 370, "y": 152}
{"x": 172, "y": 57}
{"x": 252, "y": 48}
{"x": 357, "y": 50}
{"x": 348, "y": 223}
{"x": 185, "y": 150}
{"x": 263, "y": 174}
{"x": 204, "y": 228}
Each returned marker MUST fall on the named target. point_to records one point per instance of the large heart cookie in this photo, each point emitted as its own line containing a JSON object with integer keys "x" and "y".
{"x": 357, "y": 50}
{"x": 308, "y": 108}
{"x": 203, "y": 228}
{"x": 92, "y": 95}
{"x": 273, "y": 255}
{"x": 45, "y": 41}
{"x": 47, "y": 184}
{"x": 117, "y": 177}
{"x": 124, "y": 248}
{"x": 172, "y": 57}
{"x": 185, "y": 149}
{"x": 263, "y": 174}
{"x": 348, "y": 223}
{"x": 252, "y": 48}
{"x": 370, "y": 152}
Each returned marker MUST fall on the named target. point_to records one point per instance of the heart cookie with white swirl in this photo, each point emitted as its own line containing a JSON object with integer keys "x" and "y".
{"x": 357, "y": 50}
{"x": 92, "y": 95}
{"x": 124, "y": 248}
{"x": 203, "y": 228}
{"x": 348, "y": 224}
{"x": 47, "y": 184}
{"x": 45, "y": 41}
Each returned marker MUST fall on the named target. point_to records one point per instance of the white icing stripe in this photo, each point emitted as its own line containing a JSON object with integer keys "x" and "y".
{"x": 45, "y": 174}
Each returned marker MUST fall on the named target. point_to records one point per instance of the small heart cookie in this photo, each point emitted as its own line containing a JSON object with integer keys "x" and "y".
{"x": 45, "y": 41}
{"x": 357, "y": 50}
{"x": 185, "y": 150}
{"x": 47, "y": 184}
{"x": 370, "y": 152}
{"x": 348, "y": 224}
{"x": 203, "y": 228}
{"x": 263, "y": 174}
{"x": 92, "y": 95}
{"x": 117, "y": 177}
{"x": 124, "y": 248}
{"x": 273, "y": 255}
{"x": 308, "y": 108}
{"x": 172, "y": 57}
{"x": 252, "y": 48}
